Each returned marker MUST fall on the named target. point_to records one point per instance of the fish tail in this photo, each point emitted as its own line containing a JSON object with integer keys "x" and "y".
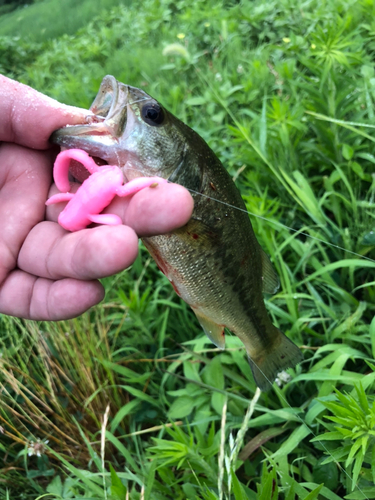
{"x": 284, "y": 354}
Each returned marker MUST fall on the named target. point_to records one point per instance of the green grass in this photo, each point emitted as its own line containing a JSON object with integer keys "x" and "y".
{"x": 285, "y": 97}
{"x": 49, "y": 19}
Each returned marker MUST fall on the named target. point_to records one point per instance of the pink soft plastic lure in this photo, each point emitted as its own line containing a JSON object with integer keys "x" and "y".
{"x": 95, "y": 193}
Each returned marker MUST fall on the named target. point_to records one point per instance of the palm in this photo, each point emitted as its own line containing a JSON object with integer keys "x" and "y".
{"x": 45, "y": 272}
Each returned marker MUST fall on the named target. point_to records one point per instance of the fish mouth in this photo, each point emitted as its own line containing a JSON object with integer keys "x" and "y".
{"x": 105, "y": 125}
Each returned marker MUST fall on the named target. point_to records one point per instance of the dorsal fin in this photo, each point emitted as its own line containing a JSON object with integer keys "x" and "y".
{"x": 271, "y": 282}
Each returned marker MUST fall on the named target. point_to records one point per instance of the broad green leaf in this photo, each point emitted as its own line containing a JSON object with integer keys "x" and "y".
{"x": 348, "y": 125}
{"x": 181, "y": 407}
{"x": 330, "y": 358}
{"x": 290, "y": 494}
{"x": 327, "y": 474}
{"x": 364, "y": 442}
{"x": 218, "y": 401}
{"x": 207, "y": 494}
{"x": 191, "y": 370}
{"x": 351, "y": 321}
{"x": 356, "y": 167}
{"x": 347, "y": 151}
{"x": 55, "y": 487}
{"x": 367, "y": 156}
{"x": 213, "y": 374}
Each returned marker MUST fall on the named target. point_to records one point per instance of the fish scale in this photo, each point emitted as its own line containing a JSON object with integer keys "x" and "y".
{"x": 215, "y": 262}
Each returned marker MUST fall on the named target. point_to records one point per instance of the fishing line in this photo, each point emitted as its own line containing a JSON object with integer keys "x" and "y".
{"x": 280, "y": 224}
{"x": 276, "y": 223}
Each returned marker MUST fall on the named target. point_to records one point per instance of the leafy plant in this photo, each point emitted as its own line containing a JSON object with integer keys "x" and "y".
{"x": 355, "y": 417}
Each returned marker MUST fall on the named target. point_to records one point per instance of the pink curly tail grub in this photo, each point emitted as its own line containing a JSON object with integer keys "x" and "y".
{"x": 95, "y": 193}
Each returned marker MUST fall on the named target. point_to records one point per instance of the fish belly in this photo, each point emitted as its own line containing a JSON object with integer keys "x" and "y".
{"x": 216, "y": 288}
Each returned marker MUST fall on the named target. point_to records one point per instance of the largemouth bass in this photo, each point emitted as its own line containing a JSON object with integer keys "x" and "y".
{"x": 214, "y": 263}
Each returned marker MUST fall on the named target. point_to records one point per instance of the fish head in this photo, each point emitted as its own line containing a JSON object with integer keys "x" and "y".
{"x": 130, "y": 129}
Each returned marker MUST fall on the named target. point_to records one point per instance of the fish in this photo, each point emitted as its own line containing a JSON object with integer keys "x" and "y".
{"x": 214, "y": 262}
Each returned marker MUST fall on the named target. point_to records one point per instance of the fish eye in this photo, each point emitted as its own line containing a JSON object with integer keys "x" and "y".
{"x": 153, "y": 114}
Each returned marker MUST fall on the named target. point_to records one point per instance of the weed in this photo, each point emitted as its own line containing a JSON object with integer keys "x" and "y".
{"x": 285, "y": 97}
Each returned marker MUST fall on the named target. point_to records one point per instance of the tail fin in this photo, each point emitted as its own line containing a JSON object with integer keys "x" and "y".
{"x": 284, "y": 354}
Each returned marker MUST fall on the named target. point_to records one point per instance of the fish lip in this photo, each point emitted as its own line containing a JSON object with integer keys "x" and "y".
{"x": 107, "y": 97}
{"x": 59, "y": 135}
{"x": 106, "y": 121}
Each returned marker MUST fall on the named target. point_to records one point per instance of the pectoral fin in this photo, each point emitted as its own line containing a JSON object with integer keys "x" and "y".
{"x": 213, "y": 331}
{"x": 187, "y": 173}
{"x": 271, "y": 282}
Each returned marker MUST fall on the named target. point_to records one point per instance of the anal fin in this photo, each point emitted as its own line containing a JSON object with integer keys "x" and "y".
{"x": 213, "y": 331}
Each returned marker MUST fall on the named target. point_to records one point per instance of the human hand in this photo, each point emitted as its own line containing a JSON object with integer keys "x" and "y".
{"x": 47, "y": 273}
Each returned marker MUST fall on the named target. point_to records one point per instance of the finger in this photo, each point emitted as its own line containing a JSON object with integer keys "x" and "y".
{"x": 28, "y": 297}
{"x": 29, "y": 117}
{"x": 51, "y": 252}
{"x": 24, "y": 183}
{"x": 154, "y": 211}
